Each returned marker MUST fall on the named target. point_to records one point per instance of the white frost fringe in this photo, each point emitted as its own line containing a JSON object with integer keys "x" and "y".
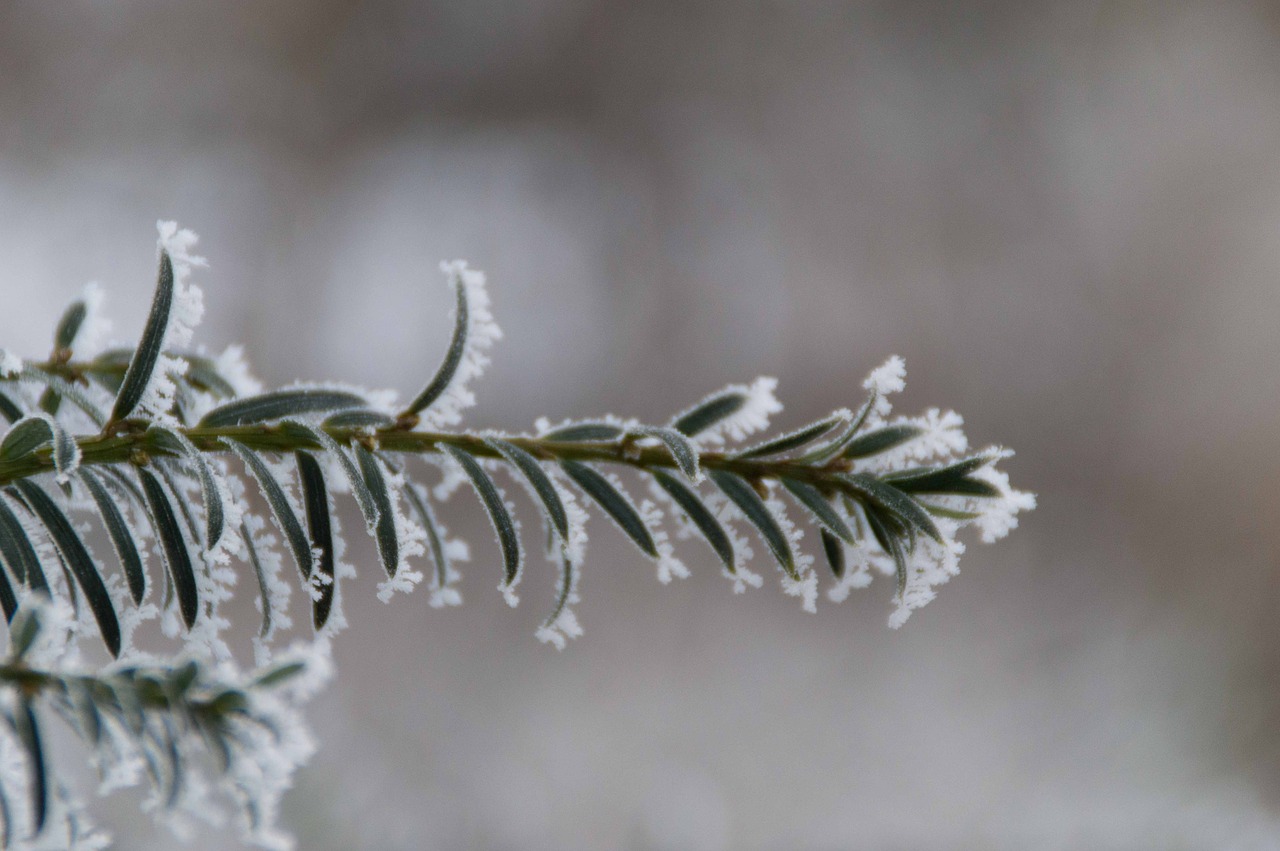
{"x": 805, "y": 586}
{"x": 726, "y": 511}
{"x": 10, "y": 364}
{"x": 669, "y": 567}
{"x": 940, "y": 437}
{"x": 95, "y": 327}
{"x": 411, "y": 537}
{"x": 566, "y": 626}
{"x": 752, "y": 417}
{"x": 445, "y": 578}
{"x": 188, "y": 308}
{"x": 931, "y": 564}
{"x": 482, "y": 331}
{"x": 886, "y": 379}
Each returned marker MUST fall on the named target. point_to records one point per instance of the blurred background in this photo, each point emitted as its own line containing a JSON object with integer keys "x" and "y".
{"x": 1064, "y": 216}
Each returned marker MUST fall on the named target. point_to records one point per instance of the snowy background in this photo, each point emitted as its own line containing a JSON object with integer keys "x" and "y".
{"x": 1066, "y": 217}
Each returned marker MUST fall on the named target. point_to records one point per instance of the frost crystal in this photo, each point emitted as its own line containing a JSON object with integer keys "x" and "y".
{"x": 884, "y": 380}
{"x": 932, "y": 564}
{"x": 806, "y": 585}
{"x": 669, "y": 567}
{"x": 234, "y": 369}
{"x": 999, "y": 517}
{"x": 10, "y": 364}
{"x": 188, "y": 308}
{"x": 481, "y": 333}
{"x": 888, "y": 377}
{"x": 940, "y": 437}
{"x": 95, "y": 327}
{"x": 728, "y": 514}
{"x": 752, "y": 416}
{"x": 411, "y": 538}
{"x": 342, "y": 571}
{"x": 563, "y": 625}
{"x": 274, "y": 591}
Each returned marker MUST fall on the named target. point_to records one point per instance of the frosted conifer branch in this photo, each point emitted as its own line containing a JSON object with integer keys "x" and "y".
{"x": 165, "y": 473}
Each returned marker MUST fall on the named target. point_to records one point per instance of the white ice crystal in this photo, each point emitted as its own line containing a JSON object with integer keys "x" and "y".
{"x": 342, "y": 572}
{"x": 10, "y": 364}
{"x": 481, "y": 333}
{"x": 569, "y": 556}
{"x": 452, "y": 477}
{"x": 543, "y": 425}
{"x": 234, "y": 369}
{"x": 64, "y": 469}
{"x": 185, "y": 314}
{"x": 998, "y": 517}
{"x": 758, "y": 406}
{"x": 95, "y": 327}
{"x": 444, "y": 582}
{"x": 886, "y": 379}
{"x": 221, "y": 551}
{"x": 669, "y": 567}
{"x": 274, "y": 591}
{"x": 940, "y": 437}
{"x": 931, "y": 563}
{"x": 411, "y": 538}
{"x": 728, "y": 514}
{"x": 805, "y": 585}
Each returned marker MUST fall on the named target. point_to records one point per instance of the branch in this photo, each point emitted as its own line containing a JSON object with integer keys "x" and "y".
{"x": 137, "y": 446}
{"x": 160, "y": 446}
